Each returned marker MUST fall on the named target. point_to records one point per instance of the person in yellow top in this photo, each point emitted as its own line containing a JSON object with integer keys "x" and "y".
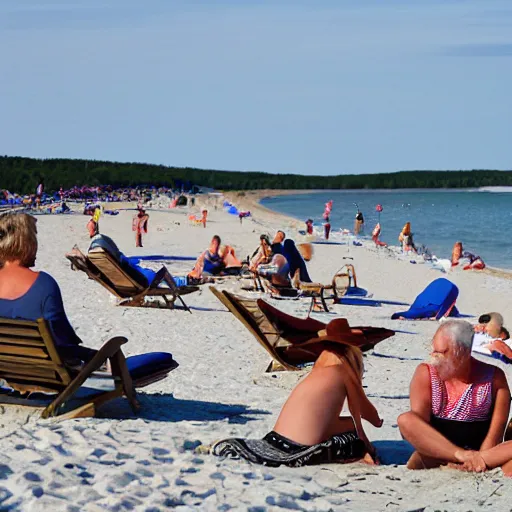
{"x": 93, "y": 226}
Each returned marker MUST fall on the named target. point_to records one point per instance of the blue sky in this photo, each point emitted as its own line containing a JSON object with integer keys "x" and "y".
{"x": 312, "y": 87}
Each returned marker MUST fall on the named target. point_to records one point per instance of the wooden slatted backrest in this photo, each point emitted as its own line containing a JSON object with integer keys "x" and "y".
{"x": 125, "y": 285}
{"x": 28, "y": 355}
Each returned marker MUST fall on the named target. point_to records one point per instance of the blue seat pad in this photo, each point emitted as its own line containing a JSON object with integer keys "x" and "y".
{"x": 145, "y": 365}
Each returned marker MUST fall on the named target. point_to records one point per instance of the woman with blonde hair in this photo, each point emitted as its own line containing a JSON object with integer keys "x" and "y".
{"x": 309, "y": 429}
{"x": 29, "y": 295}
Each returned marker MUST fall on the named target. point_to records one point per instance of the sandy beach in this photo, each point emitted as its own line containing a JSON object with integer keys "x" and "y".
{"x": 150, "y": 462}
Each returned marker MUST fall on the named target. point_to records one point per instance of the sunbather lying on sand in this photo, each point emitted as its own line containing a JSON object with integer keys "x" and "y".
{"x": 490, "y": 323}
{"x": 309, "y": 429}
{"x": 491, "y": 335}
{"x": 459, "y": 405}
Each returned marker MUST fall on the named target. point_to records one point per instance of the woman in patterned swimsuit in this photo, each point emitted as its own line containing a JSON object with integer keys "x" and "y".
{"x": 459, "y": 405}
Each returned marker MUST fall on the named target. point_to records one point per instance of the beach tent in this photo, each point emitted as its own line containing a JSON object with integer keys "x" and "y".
{"x": 233, "y": 210}
{"x": 182, "y": 201}
{"x": 435, "y": 301}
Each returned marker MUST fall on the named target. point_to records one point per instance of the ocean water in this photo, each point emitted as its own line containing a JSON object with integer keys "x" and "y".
{"x": 481, "y": 220}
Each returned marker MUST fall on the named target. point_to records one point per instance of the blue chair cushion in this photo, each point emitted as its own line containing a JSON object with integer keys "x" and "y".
{"x": 133, "y": 261}
{"x": 433, "y": 302}
{"x": 145, "y": 365}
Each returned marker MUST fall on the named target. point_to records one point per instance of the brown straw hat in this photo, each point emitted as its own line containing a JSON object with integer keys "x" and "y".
{"x": 339, "y": 331}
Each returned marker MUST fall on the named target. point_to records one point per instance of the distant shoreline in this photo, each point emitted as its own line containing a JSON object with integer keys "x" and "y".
{"x": 251, "y": 200}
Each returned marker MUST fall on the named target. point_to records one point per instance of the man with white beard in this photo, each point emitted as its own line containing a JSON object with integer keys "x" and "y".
{"x": 459, "y": 405}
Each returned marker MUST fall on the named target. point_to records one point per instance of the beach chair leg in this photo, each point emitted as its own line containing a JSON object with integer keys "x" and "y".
{"x": 311, "y": 306}
{"x": 120, "y": 371}
{"x": 167, "y": 277}
{"x": 275, "y": 366}
{"x": 322, "y": 299}
{"x": 87, "y": 410}
{"x": 184, "y": 304}
{"x": 107, "y": 351}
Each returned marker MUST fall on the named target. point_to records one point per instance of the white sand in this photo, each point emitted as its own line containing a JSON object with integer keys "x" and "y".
{"x": 121, "y": 462}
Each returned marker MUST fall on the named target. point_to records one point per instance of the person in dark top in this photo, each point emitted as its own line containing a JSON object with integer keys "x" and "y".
{"x": 29, "y": 295}
{"x": 327, "y": 228}
{"x": 359, "y": 222}
{"x": 295, "y": 260}
{"x": 210, "y": 262}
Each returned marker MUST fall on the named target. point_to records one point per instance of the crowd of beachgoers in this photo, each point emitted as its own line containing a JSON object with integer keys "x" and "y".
{"x": 375, "y": 367}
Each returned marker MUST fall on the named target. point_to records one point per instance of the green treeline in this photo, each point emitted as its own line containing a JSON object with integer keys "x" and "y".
{"x": 19, "y": 174}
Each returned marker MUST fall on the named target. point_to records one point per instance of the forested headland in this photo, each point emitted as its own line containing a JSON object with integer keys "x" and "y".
{"x": 22, "y": 175}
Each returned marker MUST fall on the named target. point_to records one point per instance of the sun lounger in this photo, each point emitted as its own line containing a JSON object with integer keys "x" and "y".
{"x": 437, "y": 300}
{"x": 343, "y": 283}
{"x": 290, "y": 341}
{"x": 31, "y": 365}
{"x": 127, "y": 282}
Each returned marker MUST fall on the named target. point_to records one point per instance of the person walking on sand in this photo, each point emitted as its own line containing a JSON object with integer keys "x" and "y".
{"x": 140, "y": 225}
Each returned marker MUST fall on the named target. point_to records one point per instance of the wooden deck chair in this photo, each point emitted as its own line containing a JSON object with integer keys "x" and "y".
{"x": 30, "y": 363}
{"x": 342, "y": 281}
{"x": 248, "y": 312}
{"x": 296, "y": 290}
{"x": 128, "y": 285}
{"x": 291, "y": 341}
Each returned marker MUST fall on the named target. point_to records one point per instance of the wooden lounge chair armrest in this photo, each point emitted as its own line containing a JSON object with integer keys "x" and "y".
{"x": 107, "y": 351}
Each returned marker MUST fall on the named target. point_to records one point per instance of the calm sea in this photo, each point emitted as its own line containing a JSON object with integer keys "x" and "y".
{"x": 480, "y": 220}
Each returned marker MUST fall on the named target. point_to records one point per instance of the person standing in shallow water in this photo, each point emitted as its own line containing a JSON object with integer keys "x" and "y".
{"x": 140, "y": 226}
{"x": 327, "y": 228}
{"x": 359, "y": 222}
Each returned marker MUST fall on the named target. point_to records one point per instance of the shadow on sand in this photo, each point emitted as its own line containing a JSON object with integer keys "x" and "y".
{"x": 164, "y": 407}
{"x": 393, "y": 452}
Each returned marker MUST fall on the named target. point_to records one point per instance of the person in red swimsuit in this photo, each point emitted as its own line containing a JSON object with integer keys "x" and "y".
{"x": 459, "y": 405}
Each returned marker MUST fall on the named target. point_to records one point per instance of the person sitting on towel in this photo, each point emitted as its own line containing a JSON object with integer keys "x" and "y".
{"x": 210, "y": 262}
{"x": 458, "y": 403}
{"x": 231, "y": 264}
{"x": 309, "y": 429}
{"x": 29, "y": 295}
{"x": 215, "y": 261}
